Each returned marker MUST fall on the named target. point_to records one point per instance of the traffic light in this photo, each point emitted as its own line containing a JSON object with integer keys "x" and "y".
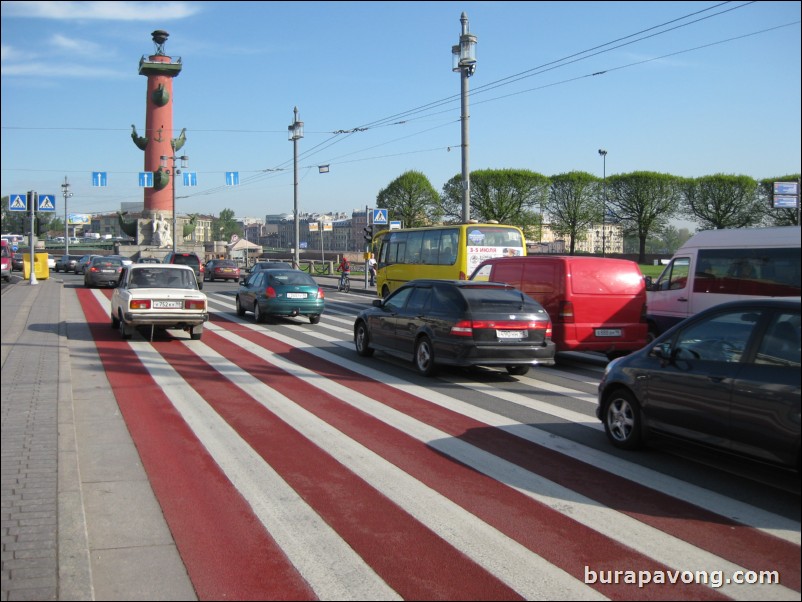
{"x": 368, "y": 233}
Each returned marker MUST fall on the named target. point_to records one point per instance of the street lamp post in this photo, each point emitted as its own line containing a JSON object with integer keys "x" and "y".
{"x": 296, "y": 132}
{"x": 65, "y": 187}
{"x": 603, "y": 153}
{"x": 173, "y": 173}
{"x": 464, "y": 60}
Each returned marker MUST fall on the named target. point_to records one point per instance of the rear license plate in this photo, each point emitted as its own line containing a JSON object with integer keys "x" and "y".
{"x": 108, "y": 271}
{"x": 608, "y": 332}
{"x": 511, "y": 334}
{"x": 296, "y": 295}
{"x": 168, "y": 304}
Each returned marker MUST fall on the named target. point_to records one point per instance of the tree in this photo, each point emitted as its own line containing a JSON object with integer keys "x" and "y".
{"x": 573, "y": 204}
{"x": 225, "y": 226}
{"x": 643, "y": 202}
{"x": 778, "y": 217}
{"x": 722, "y": 201}
{"x": 412, "y": 199}
{"x": 508, "y": 196}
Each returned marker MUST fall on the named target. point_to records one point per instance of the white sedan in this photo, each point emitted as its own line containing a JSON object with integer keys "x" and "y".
{"x": 160, "y": 296}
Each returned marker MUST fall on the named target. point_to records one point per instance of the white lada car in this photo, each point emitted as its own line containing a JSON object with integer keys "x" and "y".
{"x": 160, "y": 296}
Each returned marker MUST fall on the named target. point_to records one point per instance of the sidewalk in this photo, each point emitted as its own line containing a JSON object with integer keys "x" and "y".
{"x": 79, "y": 518}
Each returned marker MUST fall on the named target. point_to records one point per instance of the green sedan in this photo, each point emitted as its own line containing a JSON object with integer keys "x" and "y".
{"x": 280, "y": 293}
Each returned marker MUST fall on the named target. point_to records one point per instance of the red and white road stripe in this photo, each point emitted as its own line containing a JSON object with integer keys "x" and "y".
{"x": 284, "y": 474}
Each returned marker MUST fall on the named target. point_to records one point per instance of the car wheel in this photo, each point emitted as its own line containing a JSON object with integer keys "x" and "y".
{"x": 125, "y": 330}
{"x": 622, "y": 420}
{"x": 314, "y": 319}
{"x": 240, "y": 309}
{"x": 424, "y": 356}
{"x": 115, "y": 322}
{"x": 258, "y": 316}
{"x": 362, "y": 340}
{"x": 196, "y": 332}
{"x": 517, "y": 370}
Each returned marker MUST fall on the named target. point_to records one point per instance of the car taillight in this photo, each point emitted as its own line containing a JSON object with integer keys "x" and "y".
{"x": 463, "y": 328}
{"x": 94, "y": 269}
{"x": 566, "y": 313}
{"x": 549, "y": 330}
{"x": 201, "y": 269}
{"x": 140, "y": 304}
{"x": 194, "y": 304}
{"x": 270, "y": 292}
{"x": 320, "y": 294}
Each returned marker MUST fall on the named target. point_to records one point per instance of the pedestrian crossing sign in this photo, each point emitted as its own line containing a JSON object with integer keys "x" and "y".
{"x": 380, "y": 216}
{"x": 18, "y": 202}
{"x": 47, "y": 202}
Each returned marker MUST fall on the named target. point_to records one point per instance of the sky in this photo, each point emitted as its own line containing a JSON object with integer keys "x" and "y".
{"x": 685, "y": 88}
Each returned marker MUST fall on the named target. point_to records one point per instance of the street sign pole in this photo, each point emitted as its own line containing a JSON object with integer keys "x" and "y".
{"x": 32, "y": 200}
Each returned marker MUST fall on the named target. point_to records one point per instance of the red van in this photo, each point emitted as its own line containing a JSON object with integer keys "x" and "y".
{"x": 595, "y": 303}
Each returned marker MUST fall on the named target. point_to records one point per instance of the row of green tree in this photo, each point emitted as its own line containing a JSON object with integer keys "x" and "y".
{"x": 643, "y": 203}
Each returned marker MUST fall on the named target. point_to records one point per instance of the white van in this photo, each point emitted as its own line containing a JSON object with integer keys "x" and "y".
{"x": 715, "y": 266}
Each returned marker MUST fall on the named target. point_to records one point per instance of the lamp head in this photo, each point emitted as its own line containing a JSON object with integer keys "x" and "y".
{"x": 602, "y": 152}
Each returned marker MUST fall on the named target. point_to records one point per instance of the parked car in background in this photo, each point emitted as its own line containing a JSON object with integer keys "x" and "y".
{"x": 459, "y": 323}
{"x": 148, "y": 260}
{"x": 66, "y": 263}
{"x": 221, "y": 269}
{"x": 726, "y": 378}
{"x": 80, "y": 265}
{"x": 280, "y": 293}
{"x": 51, "y": 262}
{"x": 103, "y": 271}
{"x": 162, "y": 296}
{"x": 190, "y": 259}
{"x": 595, "y": 303}
{"x": 17, "y": 262}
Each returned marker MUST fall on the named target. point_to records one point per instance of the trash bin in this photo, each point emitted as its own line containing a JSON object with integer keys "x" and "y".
{"x": 40, "y": 266}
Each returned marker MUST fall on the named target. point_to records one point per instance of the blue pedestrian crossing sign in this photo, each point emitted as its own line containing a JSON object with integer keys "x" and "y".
{"x": 146, "y": 179}
{"x": 18, "y": 202}
{"x": 47, "y": 202}
{"x": 99, "y": 178}
{"x": 232, "y": 178}
{"x": 380, "y": 216}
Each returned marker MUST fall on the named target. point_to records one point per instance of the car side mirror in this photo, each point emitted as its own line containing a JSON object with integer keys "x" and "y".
{"x": 649, "y": 283}
{"x": 663, "y": 352}
{"x": 378, "y": 302}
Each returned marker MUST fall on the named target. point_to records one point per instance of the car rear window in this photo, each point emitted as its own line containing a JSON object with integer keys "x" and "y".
{"x": 588, "y": 279}
{"x": 482, "y": 299}
{"x": 190, "y": 260}
{"x": 291, "y": 278}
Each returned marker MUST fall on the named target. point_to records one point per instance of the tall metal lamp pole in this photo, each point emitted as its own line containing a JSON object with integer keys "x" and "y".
{"x": 603, "y": 153}
{"x": 173, "y": 173}
{"x": 296, "y": 132}
{"x": 67, "y": 194}
{"x": 464, "y": 60}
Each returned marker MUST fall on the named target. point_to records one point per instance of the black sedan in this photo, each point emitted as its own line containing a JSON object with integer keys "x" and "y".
{"x": 458, "y": 323}
{"x": 727, "y": 378}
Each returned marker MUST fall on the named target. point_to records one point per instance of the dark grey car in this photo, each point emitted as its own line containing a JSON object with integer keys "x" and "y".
{"x": 103, "y": 271}
{"x": 458, "y": 323}
{"x": 727, "y": 378}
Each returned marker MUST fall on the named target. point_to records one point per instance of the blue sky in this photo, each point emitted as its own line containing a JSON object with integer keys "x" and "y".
{"x": 687, "y": 88}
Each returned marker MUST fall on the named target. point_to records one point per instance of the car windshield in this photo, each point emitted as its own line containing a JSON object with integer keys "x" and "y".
{"x": 159, "y": 277}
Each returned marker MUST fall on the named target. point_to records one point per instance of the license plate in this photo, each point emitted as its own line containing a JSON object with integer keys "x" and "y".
{"x": 168, "y": 304}
{"x": 108, "y": 271}
{"x": 511, "y": 334}
{"x": 608, "y": 332}
{"x": 296, "y": 295}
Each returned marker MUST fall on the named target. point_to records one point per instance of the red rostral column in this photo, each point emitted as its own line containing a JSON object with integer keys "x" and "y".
{"x": 158, "y": 140}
